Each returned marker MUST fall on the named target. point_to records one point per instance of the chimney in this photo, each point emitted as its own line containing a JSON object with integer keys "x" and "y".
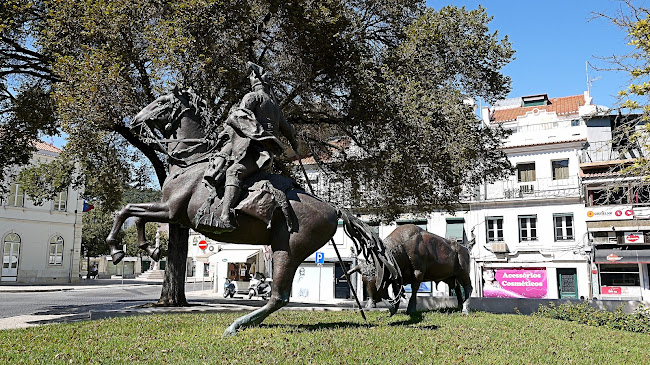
{"x": 485, "y": 115}
{"x": 588, "y": 98}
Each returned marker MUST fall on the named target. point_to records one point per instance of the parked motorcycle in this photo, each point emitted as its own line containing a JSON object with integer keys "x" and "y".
{"x": 259, "y": 287}
{"x": 229, "y": 289}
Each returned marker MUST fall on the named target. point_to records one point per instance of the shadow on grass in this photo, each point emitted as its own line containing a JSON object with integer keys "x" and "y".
{"x": 414, "y": 318}
{"x": 314, "y": 327}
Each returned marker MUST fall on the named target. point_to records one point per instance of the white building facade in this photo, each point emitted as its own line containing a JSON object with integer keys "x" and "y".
{"x": 538, "y": 234}
{"x": 40, "y": 244}
{"x": 529, "y": 232}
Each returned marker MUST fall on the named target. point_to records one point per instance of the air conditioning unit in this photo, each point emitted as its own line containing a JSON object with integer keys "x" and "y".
{"x": 499, "y": 247}
{"x": 527, "y": 189}
{"x": 616, "y": 240}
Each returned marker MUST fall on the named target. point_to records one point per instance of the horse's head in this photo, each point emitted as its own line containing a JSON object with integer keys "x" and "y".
{"x": 161, "y": 118}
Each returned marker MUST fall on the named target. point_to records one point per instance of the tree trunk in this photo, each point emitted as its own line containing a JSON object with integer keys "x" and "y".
{"x": 173, "y": 288}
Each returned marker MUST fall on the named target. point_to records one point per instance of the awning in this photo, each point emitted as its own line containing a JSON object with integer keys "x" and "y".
{"x": 622, "y": 256}
{"x": 237, "y": 255}
{"x": 204, "y": 257}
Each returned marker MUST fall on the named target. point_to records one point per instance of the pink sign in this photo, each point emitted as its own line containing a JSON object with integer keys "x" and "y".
{"x": 514, "y": 283}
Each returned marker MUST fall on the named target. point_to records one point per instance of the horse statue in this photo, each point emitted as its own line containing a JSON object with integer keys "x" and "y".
{"x": 421, "y": 256}
{"x": 177, "y": 125}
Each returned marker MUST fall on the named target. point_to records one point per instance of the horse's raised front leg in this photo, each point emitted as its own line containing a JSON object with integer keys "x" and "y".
{"x": 150, "y": 212}
{"x": 283, "y": 273}
{"x": 154, "y": 252}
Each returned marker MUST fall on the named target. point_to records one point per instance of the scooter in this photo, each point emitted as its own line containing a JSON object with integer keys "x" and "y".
{"x": 259, "y": 287}
{"x": 229, "y": 289}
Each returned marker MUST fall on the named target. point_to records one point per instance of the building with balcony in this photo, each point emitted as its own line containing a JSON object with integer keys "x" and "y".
{"x": 617, "y": 210}
{"x": 529, "y": 232}
{"x": 40, "y": 244}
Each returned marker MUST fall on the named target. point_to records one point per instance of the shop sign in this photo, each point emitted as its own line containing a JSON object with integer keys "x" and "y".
{"x": 629, "y": 291}
{"x": 619, "y": 212}
{"x": 613, "y": 257}
{"x": 611, "y": 290}
{"x": 634, "y": 237}
{"x": 514, "y": 283}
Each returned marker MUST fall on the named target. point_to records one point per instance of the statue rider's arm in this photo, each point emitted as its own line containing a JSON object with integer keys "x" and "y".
{"x": 288, "y": 131}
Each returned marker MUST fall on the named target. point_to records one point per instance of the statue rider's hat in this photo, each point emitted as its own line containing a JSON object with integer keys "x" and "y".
{"x": 258, "y": 76}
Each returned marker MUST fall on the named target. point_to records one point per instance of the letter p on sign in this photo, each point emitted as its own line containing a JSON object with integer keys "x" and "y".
{"x": 320, "y": 257}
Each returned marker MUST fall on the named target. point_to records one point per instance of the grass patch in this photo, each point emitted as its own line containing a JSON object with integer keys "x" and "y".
{"x": 325, "y": 337}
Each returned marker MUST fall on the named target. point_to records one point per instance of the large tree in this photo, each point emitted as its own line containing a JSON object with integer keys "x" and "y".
{"x": 26, "y": 110}
{"x": 631, "y": 134}
{"x": 389, "y": 75}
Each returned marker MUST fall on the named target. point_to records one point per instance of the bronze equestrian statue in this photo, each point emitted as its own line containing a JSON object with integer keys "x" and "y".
{"x": 421, "y": 256}
{"x": 249, "y": 141}
{"x": 178, "y": 125}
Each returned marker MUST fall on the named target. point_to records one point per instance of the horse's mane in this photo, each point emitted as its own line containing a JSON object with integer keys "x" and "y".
{"x": 190, "y": 99}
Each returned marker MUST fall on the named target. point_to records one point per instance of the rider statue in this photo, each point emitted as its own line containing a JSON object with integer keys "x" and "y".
{"x": 248, "y": 143}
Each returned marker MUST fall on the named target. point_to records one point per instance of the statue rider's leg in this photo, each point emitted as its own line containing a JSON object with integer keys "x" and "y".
{"x": 230, "y": 195}
{"x": 235, "y": 174}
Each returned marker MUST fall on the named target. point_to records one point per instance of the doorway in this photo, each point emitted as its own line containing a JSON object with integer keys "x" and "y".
{"x": 10, "y": 257}
{"x": 341, "y": 285}
{"x": 567, "y": 281}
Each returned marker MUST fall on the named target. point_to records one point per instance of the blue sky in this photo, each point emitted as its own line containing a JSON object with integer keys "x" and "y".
{"x": 553, "y": 40}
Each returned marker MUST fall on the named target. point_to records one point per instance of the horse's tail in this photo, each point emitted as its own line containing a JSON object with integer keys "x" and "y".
{"x": 368, "y": 243}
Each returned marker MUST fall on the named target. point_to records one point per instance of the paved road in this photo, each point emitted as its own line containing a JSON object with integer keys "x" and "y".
{"x": 68, "y": 304}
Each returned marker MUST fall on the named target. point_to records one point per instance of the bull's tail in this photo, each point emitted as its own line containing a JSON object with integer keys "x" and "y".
{"x": 368, "y": 243}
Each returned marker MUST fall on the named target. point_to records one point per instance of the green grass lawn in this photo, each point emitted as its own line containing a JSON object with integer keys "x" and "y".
{"x": 325, "y": 337}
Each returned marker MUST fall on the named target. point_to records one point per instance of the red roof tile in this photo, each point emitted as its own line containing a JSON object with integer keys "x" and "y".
{"x": 562, "y": 106}
{"x": 47, "y": 147}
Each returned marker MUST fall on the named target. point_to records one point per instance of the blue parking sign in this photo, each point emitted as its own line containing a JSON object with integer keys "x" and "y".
{"x": 320, "y": 257}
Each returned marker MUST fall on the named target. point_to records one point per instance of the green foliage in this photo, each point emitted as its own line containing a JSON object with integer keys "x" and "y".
{"x": 147, "y": 195}
{"x": 315, "y": 337}
{"x": 97, "y": 224}
{"x": 26, "y": 109}
{"x": 584, "y": 313}
{"x": 131, "y": 238}
{"x": 390, "y": 75}
{"x": 43, "y": 181}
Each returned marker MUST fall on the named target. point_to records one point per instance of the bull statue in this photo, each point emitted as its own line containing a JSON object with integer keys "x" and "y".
{"x": 421, "y": 256}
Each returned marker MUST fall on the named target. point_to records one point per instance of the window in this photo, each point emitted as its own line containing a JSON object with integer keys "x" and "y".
{"x": 619, "y": 275}
{"x": 455, "y": 229}
{"x": 494, "y": 228}
{"x": 420, "y": 223}
{"x": 56, "y": 250}
{"x": 16, "y": 196}
{"x": 527, "y": 228}
{"x": 526, "y": 172}
{"x": 60, "y": 201}
{"x": 575, "y": 123}
{"x": 563, "y": 224}
{"x": 11, "y": 251}
{"x": 560, "y": 169}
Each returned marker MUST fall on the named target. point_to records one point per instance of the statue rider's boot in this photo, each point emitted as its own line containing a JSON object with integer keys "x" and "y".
{"x": 154, "y": 252}
{"x": 215, "y": 172}
{"x": 229, "y": 197}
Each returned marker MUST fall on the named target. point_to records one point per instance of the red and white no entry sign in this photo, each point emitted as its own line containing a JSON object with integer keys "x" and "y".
{"x": 203, "y": 245}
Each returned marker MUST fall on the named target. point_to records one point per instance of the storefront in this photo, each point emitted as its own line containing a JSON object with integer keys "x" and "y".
{"x": 555, "y": 280}
{"x": 515, "y": 283}
{"x": 623, "y": 273}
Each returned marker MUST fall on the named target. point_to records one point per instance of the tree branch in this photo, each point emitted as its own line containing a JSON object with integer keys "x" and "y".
{"x": 149, "y": 152}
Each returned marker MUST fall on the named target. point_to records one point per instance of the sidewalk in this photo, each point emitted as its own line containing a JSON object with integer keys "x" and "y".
{"x": 84, "y": 284}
